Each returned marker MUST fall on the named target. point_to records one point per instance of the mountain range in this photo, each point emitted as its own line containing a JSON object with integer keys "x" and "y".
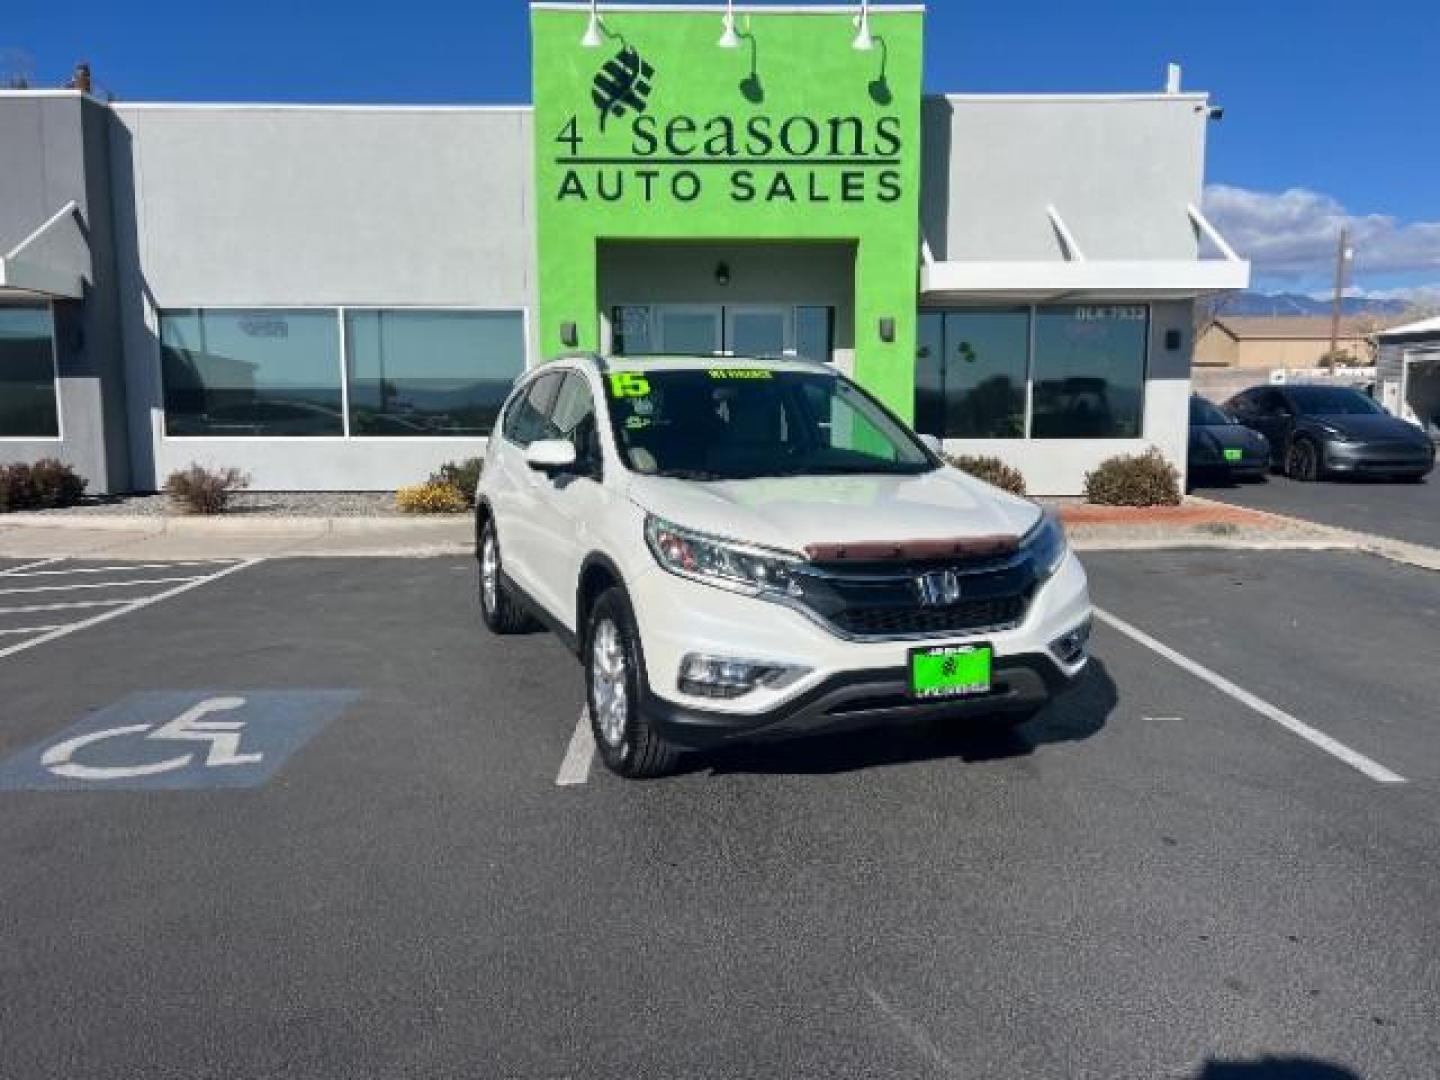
{"x": 1252, "y": 302}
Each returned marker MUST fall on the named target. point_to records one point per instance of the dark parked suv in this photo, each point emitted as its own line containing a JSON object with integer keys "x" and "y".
{"x": 1315, "y": 431}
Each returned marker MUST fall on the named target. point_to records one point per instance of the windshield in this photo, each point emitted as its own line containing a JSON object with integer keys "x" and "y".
{"x": 1332, "y": 401}
{"x": 1206, "y": 414}
{"x": 732, "y": 422}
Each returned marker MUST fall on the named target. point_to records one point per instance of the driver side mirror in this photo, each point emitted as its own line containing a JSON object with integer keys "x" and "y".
{"x": 550, "y": 456}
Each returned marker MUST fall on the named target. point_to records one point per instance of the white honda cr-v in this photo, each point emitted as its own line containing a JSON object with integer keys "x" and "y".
{"x": 740, "y": 548}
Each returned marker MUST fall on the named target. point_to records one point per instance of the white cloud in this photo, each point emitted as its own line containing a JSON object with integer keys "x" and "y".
{"x": 1293, "y": 233}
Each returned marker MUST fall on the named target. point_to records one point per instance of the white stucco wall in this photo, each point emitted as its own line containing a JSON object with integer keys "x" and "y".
{"x": 298, "y": 206}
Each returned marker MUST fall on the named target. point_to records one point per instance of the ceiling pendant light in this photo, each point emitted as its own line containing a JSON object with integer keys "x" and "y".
{"x": 593, "y": 38}
{"x": 729, "y": 39}
{"x": 863, "y": 41}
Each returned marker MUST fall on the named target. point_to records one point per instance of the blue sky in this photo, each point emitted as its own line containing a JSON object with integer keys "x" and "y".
{"x": 1329, "y": 107}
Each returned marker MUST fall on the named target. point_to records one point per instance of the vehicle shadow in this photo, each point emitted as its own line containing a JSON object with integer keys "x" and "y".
{"x": 1076, "y": 714}
{"x": 1275, "y": 1068}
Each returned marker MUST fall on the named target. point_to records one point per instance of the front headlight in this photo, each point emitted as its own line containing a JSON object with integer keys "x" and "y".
{"x": 1046, "y": 544}
{"x": 720, "y": 562}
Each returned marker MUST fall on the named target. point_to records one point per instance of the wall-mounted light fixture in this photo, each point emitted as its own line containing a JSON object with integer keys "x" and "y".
{"x": 887, "y": 328}
{"x": 863, "y": 40}
{"x": 593, "y": 39}
{"x": 729, "y": 39}
{"x": 722, "y": 273}
{"x": 569, "y": 336}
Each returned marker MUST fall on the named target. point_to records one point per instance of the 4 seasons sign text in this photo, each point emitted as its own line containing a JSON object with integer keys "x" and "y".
{"x": 624, "y": 151}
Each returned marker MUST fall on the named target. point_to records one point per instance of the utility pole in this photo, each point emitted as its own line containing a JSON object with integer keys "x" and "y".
{"x": 1342, "y": 255}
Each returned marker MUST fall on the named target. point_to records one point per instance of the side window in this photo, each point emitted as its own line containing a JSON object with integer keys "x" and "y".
{"x": 526, "y": 418}
{"x": 1272, "y": 404}
{"x": 573, "y": 418}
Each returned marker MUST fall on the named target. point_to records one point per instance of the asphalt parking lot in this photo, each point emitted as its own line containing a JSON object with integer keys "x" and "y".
{"x": 1158, "y": 877}
{"x": 1402, "y": 511}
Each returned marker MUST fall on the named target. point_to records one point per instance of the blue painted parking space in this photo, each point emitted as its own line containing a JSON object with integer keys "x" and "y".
{"x": 177, "y": 740}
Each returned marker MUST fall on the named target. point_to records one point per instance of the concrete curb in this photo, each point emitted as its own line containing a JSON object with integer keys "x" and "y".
{"x": 239, "y": 525}
{"x": 1330, "y": 536}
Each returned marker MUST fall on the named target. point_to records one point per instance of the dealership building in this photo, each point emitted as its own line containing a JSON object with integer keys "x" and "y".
{"x": 339, "y": 297}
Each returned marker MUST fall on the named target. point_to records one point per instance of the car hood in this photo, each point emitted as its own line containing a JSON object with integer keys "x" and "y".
{"x": 1230, "y": 436}
{"x": 793, "y": 512}
{"x": 1370, "y": 426}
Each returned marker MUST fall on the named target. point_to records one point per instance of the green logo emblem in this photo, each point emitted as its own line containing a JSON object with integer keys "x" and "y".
{"x": 622, "y": 84}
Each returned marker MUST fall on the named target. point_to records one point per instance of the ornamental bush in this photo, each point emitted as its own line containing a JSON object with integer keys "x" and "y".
{"x": 431, "y": 497}
{"x": 462, "y": 476}
{"x": 55, "y": 483}
{"x": 990, "y": 469}
{"x": 45, "y": 485}
{"x": 1134, "y": 480}
{"x": 198, "y": 490}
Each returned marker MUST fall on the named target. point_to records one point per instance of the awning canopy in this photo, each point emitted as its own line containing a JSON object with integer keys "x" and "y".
{"x": 26, "y": 274}
{"x": 1074, "y": 277}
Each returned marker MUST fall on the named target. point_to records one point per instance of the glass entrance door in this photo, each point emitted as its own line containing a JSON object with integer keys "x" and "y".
{"x": 688, "y": 331}
{"x": 758, "y": 331}
{"x": 722, "y": 330}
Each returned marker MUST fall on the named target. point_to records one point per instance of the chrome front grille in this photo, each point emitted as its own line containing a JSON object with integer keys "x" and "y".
{"x": 886, "y": 602}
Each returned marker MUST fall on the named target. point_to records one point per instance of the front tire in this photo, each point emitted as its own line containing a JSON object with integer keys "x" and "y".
{"x": 626, "y": 740}
{"x": 1303, "y": 461}
{"x": 498, "y": 608}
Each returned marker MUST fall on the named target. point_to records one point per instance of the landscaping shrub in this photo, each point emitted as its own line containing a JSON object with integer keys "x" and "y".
{"x": 992, "y": 470}
{"x": 462, "y": 476}
{"x": 55, "y": 483}
{"x": 42, "y": 486}
{"x": 431, "y": 497}
{"x": 17, "y": 490}
{"x": 1134, "y": 480}
{"x": 198, "y": 490}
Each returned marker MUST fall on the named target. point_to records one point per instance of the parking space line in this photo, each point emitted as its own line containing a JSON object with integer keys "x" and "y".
{"x": 31, "y": 629}
{"x": 23, "y": 571}
{"x": 575, "y": 769}
{"x": 129, "y": 606}
{"x": 99, "y": 585}
{"x": 1356, "y": 760}
{"x": 23, "y": 567}
{"x": 66, "y": 606}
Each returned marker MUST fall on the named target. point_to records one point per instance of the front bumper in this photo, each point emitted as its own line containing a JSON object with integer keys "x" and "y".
{"x": 1361, "y": 458}
{"x": 848, "y": 682}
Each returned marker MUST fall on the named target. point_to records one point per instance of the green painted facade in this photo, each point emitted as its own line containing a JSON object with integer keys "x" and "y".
{"x": 659, "y": 134}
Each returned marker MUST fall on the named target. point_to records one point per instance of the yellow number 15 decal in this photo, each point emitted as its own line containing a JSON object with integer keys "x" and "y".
{"x": 625, "y": 384}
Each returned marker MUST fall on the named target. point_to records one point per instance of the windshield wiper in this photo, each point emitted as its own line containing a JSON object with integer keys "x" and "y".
{"x": 690, "y": 474}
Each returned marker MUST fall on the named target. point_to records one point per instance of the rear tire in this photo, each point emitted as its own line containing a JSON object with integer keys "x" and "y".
{"x": 498, "y": 608}
{"x": 1302, "y": 462}
{"x": 627, "y": 742}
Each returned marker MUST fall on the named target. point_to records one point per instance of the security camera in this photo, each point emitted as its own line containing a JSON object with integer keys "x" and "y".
{"x": 1215, "y": 112}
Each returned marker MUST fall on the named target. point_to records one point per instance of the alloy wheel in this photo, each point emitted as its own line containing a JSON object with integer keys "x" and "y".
{"x": 489, "y": 571}
{"x": 609, "y": 683}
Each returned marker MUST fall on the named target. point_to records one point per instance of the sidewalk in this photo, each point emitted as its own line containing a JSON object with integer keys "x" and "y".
{"x": 1197, "y": 523}
{"x": 24, "y": 535}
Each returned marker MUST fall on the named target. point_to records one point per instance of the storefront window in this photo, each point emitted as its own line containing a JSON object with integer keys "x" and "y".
{"x": 1089, "y": 371}
{"x": 431, "y": 372}
{"x": 970, "y": 373}
{"x": 27, "y": 374}
{"x": 814, "y": 333}
{"x": 251, "y": 372}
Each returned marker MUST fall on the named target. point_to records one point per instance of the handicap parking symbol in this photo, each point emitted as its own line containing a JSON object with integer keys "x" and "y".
{"x": 177, "y": 740}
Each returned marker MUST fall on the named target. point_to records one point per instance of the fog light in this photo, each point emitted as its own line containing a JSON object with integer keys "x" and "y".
{"x": 1069, "y": 648}
{"x": 703, "y": 675}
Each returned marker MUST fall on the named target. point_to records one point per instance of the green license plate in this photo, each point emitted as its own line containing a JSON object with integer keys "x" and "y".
{"x": 947, "y": 671}
{"x": 1234, "y": 455}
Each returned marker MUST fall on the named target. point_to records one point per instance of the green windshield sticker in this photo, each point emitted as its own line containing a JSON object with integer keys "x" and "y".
{"x": 628, "y": 384}
{"x": 1233, "y": 454}
{"x": 741, "y": 373}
